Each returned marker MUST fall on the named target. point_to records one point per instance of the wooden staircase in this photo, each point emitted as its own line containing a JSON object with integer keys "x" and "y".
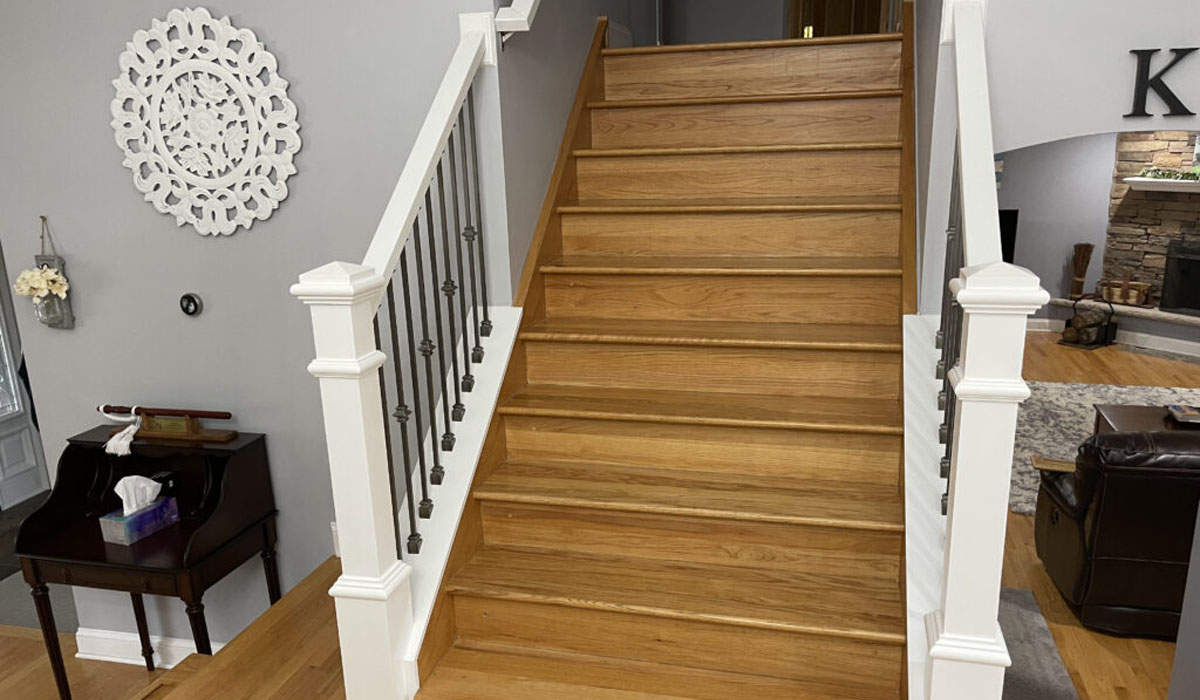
{"x": 692, "y": 486}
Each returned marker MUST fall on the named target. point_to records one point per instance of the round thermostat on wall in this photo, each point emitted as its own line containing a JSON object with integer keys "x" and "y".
{"x": 190, "y": 304}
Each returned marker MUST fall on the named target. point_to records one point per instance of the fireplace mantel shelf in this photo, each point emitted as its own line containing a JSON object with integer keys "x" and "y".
{"x": 1153, "y": 184}
{"x": 1135, "y": 311}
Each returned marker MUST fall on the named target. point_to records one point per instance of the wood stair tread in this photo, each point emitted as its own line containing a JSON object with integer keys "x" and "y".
{"x": 803, "y": 603}
{"x": 801, "y": 336}
{"x": 723, "y": 150}
{"x": 501, "y": 672}
{"x": 729, "y": 496}
{"x": 707, "y": 408}
{"x": 759, "y": 44}
{"x": 740, "y": 204}
{"x": 742, "y": 99}
{"x": 844, "y": 266}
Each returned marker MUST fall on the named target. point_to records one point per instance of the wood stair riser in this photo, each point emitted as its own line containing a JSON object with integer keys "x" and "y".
{"x": 783, "y": 372}
{"x": 867, "y": 299}
{"x": 734, "y": 234}
{"x": 760, "y": 71}
{"x": 515, "y": 673}
{"x": 799, "y": 454}
{"x": 871, "y": 557}
{"x": 768, "y": 123}
{"x": 866, "y": 172}
{"x": 782, "y": 654}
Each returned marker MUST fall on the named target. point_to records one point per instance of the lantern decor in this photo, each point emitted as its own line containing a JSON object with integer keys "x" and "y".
{"x": 46, "y": 285}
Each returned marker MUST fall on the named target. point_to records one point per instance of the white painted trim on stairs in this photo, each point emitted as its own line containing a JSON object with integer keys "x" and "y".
{"x": 428, "y": 567}
{"x": 126, "y": 648}
{"x": 925, "y": 526}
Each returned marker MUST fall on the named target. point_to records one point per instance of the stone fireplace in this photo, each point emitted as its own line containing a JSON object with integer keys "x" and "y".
{"x": 1181, "y": 282}
{"x": 1143, "y": 226}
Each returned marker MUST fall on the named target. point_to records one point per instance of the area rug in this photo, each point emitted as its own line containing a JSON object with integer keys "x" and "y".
{"x": 1057, "y": 417}
{"x": 1037, "y": 671}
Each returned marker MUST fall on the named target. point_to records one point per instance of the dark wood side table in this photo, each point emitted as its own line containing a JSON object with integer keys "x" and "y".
{"x": 227, "y": 515}
{"x": 1112, "y": 418}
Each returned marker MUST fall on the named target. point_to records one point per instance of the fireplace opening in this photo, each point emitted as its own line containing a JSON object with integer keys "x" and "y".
{"x": 1181, "y": 282}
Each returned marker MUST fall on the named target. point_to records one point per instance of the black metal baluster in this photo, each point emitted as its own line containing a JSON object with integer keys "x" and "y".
{"x": 448, "y": 288}
{"x": 469, "y": 235}
{"x": 448, "y": 436}
{"x": 426, "y": 349}
{"x": 387, "y": 444}
{"x": 485, "y": 327}
{"x": 416, "y": 385}
{"x": 403, "y": 412}
{"x": 468, "y": 379}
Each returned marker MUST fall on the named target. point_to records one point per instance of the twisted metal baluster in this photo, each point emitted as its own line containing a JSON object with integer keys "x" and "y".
{"x": 470, "y": 235}
{"x": 426, "y": 349}
{"x": 468, "y": 379}
{"x": 448, "y": 288}
{"x": 485, "y": 327}
{"x": 448, "y": 436}
{"x": 402, "y": 412}
{"x": 416, "y": 385}
{"x": 387, "y": 443}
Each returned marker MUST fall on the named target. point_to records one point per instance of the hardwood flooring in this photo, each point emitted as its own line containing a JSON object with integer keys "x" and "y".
{"x": 25, "y": 670}
{"x": 1103, "y": 667}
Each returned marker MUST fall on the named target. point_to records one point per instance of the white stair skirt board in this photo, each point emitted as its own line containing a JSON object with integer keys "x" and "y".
{"x": 126, "y": 648}
{"x": 450, "y": 497}
{"x": 925, "y": 526}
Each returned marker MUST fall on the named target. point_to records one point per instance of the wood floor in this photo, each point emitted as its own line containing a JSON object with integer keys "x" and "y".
{"x": 1103, "y": 667}
{"x": 25, "y": 670}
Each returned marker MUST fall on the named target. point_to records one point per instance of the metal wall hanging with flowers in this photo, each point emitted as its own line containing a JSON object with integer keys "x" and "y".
{"x": 46, "y": 285}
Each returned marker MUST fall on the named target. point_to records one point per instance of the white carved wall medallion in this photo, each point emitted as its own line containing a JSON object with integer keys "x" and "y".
{"x": 205, "y": 122}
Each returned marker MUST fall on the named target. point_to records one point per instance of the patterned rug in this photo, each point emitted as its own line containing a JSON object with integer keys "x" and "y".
{"x": 1058, "y": 417}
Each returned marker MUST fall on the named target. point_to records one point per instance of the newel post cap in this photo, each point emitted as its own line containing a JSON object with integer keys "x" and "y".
{"x": 338, "y": 283}
{"x": 999, "y": 288}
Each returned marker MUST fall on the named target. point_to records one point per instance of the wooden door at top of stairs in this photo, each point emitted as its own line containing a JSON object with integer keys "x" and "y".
{"x": 691, "y": 487}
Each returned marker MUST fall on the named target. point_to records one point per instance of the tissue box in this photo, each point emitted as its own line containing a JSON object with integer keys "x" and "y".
{"x": 118, "y": 528}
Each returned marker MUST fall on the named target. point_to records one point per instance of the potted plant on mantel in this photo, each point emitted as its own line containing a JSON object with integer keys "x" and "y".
{"x": 1156, "y": 179}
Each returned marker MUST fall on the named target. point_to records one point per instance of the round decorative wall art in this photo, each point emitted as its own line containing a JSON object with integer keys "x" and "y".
{"x": 205, "y": 122}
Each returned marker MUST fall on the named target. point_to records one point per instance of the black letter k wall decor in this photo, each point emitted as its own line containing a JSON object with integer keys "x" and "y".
{"x": 1145, "y": 82}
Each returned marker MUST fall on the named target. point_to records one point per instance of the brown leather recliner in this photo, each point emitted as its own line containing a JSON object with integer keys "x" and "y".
{"x": 1116, "y": 534}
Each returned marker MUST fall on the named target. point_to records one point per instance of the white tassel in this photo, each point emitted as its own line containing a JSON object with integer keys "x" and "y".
{"x": 119, "y": 444}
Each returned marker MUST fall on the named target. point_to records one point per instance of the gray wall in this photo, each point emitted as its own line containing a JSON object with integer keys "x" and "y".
{"x": 1062, "y": 190}
{"x": 362, "y": 80}
{"x": 539, "y": 73}
{"x": 702, "y": 21}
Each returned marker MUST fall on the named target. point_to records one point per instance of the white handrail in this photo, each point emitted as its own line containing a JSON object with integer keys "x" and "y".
{"x": 395, "y": 226}
{"x": 977, "y": 171}
{"x": 517, "y": 17}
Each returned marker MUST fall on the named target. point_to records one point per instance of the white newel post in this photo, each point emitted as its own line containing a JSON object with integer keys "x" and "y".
{"x": 967, "y": 653}
{"x": 372, "y": 596}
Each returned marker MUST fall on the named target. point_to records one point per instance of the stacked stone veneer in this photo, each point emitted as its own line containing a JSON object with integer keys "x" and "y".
{"x": 1141, "y": 224}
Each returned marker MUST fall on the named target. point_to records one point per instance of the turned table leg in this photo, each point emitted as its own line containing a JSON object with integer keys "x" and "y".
{"x": 41, "y": 601}
{"x": 271, "y": 567}
{"x": 195, "y": 613}
{"x": 139, "y": 615}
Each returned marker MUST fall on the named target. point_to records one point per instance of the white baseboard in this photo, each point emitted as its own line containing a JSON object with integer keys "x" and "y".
{"x": 126, "y": 648}
{"x": 1179, "y": 346}
{"x": 1046, "y": 324}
